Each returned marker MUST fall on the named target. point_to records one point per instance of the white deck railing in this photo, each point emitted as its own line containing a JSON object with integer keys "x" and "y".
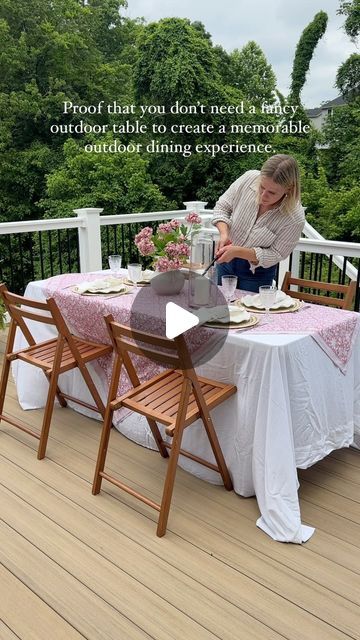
{"x": 89, "y": 222}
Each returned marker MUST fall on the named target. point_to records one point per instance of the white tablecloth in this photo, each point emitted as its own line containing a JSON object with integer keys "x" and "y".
{"x": 292, "y": 408}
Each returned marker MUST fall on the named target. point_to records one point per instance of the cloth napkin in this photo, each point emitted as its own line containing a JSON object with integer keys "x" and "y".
{"x": 282, "y": 300}
{"x": 109, "y": 285}
{"x": 222, "y": 313}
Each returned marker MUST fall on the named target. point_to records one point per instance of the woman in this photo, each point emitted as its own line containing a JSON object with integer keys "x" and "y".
{"x": 260, "y": 220}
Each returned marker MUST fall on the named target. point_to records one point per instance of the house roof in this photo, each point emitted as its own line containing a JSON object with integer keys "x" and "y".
{"x": 337, "y": 102}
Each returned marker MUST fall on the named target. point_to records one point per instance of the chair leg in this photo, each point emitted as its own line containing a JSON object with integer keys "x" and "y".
{"x": 3, "y": 384}
{"x": 103, "y": 447}
{"x": 44, "y": 435}
{"x": 214, "y": 442}
{"x": 213, "y": 439}
{"x": 54, "y": 376}
{"x": 92, "y": 388}
{"x": 157, "y": 437}
{"x": 173, "y": 459}
{"x": 59, "y": 395}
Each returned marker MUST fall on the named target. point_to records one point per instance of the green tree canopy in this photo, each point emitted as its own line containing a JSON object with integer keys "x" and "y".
{"x": 304, "y": 53}
{"x": 252, "y": 74}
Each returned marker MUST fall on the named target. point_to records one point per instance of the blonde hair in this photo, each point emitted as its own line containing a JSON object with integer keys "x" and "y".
{"x": 284, "y": 170}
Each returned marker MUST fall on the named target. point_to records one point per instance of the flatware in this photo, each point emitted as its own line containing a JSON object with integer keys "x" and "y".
{"x": 209, "y": 266}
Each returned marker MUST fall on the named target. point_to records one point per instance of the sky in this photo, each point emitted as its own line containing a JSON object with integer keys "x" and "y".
{"x": 275, "y": 25}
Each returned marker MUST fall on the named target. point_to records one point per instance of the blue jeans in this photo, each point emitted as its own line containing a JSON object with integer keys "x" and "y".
{"x": 246, "y": 279}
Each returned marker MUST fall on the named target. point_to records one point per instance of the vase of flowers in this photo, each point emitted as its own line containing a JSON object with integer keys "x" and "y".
{"x": 169, "y": 247}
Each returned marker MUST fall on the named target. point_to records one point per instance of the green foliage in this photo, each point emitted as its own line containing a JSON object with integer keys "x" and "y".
{"x": 348, "y": 77}
{"x": 2, "y": 315}
{"x": 352, "y": 12}
{"x": 304, "y": 53}
{"x": 252, "y": 74}
{"x": 175, "y": 62}
{"x": 117, "y": 182}
{"x": 51, "y": 52}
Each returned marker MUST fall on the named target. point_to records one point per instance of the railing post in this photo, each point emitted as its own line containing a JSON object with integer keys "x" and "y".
{"x": 195, "y": 205}
{"x": 90, "y": 240}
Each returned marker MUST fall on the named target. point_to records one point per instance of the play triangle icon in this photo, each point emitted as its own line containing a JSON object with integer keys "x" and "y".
{"x": 178, "y": 320}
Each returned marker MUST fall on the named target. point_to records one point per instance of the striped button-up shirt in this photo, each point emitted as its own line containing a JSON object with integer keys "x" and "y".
{"x": 272, "y": 235}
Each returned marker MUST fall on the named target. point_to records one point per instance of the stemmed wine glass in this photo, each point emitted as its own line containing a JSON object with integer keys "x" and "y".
{"x": 134, "y": 272}
{"x": 228, "y": 284}
{"x": 267, "y": 298}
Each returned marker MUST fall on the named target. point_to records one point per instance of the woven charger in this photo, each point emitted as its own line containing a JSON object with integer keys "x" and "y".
{"x": 295, "y": 307}
{"x": 251, "y": 322}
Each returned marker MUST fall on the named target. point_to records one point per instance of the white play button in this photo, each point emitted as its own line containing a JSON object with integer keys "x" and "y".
{"x": 178, "y": 320}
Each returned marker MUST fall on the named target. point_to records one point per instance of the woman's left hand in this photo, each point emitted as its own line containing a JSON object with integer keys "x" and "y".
{"x": 227, "y": 253}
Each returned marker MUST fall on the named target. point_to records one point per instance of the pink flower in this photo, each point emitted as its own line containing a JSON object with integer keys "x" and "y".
{"x": 175, "y": 224}
{"x": 193, "y": 218}
{"x": 165, "y": 264}
{"x": 146, "y": 232}
{"x": 165, "y": 227}
{"x": 145, "y": 246}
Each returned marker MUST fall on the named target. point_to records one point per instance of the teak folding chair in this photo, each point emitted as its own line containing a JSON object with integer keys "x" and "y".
{"x": 55, "y": 356}
{"x": 175, "y": 398}
{"x": 346, "y": 291}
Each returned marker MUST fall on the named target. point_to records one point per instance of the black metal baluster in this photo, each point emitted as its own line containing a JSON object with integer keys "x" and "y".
{"x": 22, "y": 279}
{"x": 115, "y": 240}
{"x": 357, "y": 296}
{"x": 11, "y": 265}
{"x": 50, "y": 253}
{"x": 31, "y": 250}
{"x": 59, "y": 250}
{"x": 41, "y": 256}
{"x": 68, "y": 249}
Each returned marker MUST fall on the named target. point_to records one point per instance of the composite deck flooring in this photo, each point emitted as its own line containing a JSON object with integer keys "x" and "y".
{"x": 76, "y": 566}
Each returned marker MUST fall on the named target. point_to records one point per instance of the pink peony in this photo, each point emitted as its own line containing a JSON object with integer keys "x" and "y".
{"x": 165, "y": 264}
{"x": 146, "y": 232}
{"x": 175, "y": 224}
{"x": 164, "y": 227}
{"x": 193, "y": 218}
{"x": 145, "y": 246}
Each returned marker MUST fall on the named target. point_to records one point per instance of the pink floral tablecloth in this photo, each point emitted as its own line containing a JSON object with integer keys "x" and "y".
{"x": 335, "y": 330}
{"x": 84, "y": 315}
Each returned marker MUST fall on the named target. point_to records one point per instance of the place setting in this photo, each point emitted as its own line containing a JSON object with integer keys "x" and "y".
{"x": 269, "y": 300}
{"x": 110, "y": 286}
{"x": 138, "y": 276}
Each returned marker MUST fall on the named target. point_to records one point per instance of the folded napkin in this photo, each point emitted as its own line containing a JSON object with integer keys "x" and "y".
{"x": 223, "y": 314}
{"x": 282, "y": 300}
{"x": 109, "y": 285}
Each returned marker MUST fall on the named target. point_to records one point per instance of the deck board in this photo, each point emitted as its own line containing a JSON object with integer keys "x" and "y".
{"x": 92, "y": 566}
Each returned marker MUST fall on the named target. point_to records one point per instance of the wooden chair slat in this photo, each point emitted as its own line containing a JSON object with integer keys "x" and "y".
{"x": 175, "y": 399}
{"x": 347, "y": 291}
{"x": 54, "y": 356}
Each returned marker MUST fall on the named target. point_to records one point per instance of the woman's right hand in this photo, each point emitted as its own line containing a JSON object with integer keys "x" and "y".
{"x": 223, "y": 242}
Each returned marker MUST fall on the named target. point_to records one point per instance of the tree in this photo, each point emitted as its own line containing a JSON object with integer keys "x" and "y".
{"x": 252, "y": 74}
{"x": 51, "y": 51}
{"x": 348, "y": 75}
{"x": 304, "y": 53}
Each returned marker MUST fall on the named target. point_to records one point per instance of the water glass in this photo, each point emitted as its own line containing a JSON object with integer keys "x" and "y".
{"x": 267, "y": 297}
{"x": 228, "y": 284}
{"x": 115, "y": 264}
{"x": 134, "y": 272}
